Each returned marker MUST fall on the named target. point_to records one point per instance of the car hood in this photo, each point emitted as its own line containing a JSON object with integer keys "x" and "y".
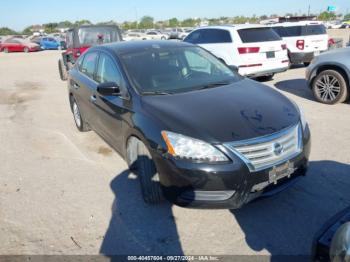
{"x": 242, "y": 110}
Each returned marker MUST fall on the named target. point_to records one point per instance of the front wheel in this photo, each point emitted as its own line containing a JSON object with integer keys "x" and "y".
{"x": 141, "y": 161}
{"x": 62, "y": 70}
{"x": 26, "y": 50}
{"x": 330, "y": 87}
{"x": 6, "y": 50}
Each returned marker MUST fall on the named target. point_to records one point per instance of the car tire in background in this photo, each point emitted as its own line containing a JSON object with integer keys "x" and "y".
{"x": 78, "y": 118}
{"x": 306, "y": 64}
{"x": 140, "y": 161}
{"x": 26, "y": 50}
{"x": 62, "y": 70}
{"x": 6, "y": 50}
{"x": 330, "y": 87}
{"x": 266, "y": 78}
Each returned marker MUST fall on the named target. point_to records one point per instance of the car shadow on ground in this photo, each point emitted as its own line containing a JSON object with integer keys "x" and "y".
{"x": 286, "y": 224}
{"x": 137, "y": 228}
{"x": 298, "y": 87}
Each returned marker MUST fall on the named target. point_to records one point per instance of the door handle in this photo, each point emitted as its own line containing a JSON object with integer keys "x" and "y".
{"x": 76, "y": 86}
{"x": 93, "y": 99}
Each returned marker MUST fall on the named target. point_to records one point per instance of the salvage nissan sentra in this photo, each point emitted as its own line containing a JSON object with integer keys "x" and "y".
{"x": 192, "y": 129}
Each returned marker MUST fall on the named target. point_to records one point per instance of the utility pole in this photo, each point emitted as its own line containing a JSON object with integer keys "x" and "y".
{"x": 309, "y": 11}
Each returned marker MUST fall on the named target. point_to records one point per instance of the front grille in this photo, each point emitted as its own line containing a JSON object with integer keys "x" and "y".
{"x": 264, "y": 152}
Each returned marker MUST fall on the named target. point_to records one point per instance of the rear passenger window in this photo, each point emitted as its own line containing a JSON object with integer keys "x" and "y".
{"x": 194, "y": 37}
{"x": 89, "y": 64}
{"x": 293, "y": 31}
{"x": 254, "y": 35}
{"x": 214, "y": 36}
{"x": 314, "y": 30}
{"x": 107, "y": 71}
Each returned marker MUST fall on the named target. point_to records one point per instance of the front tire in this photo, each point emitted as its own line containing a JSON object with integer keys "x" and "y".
{"x": 62, "y": 70}
{"x": 266, "y": 78}
{"x": 26, "y": 50}
{"x": 330, "y": 87}
{"x": 140, "y": 160}
{"x": 6, "y": 50}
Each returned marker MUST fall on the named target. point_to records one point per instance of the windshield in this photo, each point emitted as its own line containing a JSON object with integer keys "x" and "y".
{"x": 176, "y": 70}
{"x": 98, "y": 35}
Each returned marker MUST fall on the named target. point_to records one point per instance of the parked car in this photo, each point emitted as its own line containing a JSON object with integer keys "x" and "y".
{"x": 79, "y": 39}
{"x": 255, "y": 49}
{"x": 332, "y": 242}
{"x": 18, "y": 45}
{"x": 135, "y": 36}
{"x": 155, "y": 35}
{"x": 192, "y": 129}
{"x": 50, "y": 43}
{"x": 328, "y": 76}
{"x": 337, "y": 24}
{"x": 304, "y": 40}
{"x": 179, "y": 33}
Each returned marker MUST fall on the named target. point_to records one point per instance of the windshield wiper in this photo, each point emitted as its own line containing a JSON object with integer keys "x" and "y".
{"x": 212, "y": 85}
{"x": 158, "y": 93}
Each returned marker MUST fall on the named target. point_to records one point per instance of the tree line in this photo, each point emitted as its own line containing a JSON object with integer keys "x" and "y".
{"x": 147, "y": 22}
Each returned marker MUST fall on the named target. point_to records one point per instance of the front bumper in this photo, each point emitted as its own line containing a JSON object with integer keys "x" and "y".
{"x": 222, "y": 186}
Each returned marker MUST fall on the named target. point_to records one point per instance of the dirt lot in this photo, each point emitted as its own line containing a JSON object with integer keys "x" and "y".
{"x": 64, "y": 192}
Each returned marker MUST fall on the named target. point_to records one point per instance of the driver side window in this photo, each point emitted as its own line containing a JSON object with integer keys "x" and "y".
{"x": 107, "y": 71}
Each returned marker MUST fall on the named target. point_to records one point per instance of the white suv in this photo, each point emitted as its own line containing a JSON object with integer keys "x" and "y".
{"x": 304, "y": 39}
{"x": 255, "y": 50}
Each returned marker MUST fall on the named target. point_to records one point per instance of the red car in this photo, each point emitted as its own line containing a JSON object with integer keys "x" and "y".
{"x": 18, "y": 45}
{"x": 79, "y": 39}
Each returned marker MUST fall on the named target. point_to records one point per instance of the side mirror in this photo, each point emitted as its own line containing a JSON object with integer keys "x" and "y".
{"x": 234, "y": 68}
{"x": 108, "y": 89}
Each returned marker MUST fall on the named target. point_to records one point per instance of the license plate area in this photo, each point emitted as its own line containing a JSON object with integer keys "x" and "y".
{"x": 281, "y": 171}
{"x": 271, "y": 54}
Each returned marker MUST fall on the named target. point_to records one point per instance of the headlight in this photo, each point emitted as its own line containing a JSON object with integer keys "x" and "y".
{"x": 191, "y": 149}
{"x": 302, "y": 115}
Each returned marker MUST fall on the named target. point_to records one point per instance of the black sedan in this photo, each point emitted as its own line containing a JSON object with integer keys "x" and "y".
{"x": 190, "y": 127}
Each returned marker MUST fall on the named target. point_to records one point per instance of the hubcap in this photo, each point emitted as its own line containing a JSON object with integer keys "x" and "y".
{"x": 328, "y": 88}
{"x": 76, "y": 114}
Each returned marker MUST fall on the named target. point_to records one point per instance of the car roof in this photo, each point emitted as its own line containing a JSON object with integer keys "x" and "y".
{"x": 300, "y": 23}
{"x": 119, "y": 48}
{"x": 232, "y": 27}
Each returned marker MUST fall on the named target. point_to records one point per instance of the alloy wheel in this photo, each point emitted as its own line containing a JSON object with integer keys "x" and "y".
{"x": 76, "y": 113}
{"x": 327, "y": 88}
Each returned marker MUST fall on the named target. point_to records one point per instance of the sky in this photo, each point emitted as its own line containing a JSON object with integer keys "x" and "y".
{"x": 20, "y": 14}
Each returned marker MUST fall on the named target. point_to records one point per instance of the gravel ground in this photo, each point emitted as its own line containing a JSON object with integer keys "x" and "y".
{"x": 64, "y": 192}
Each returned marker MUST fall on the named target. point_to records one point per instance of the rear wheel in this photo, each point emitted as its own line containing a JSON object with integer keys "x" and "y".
{"x": 6, "y": 50}
{"x": 26, "y": 50}
{"x": 140, "y": 160}
{"x": 62, "y": 70}
{"x": 330, "y": 87}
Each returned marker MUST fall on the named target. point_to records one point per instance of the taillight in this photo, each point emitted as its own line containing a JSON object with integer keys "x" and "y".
{"x": 300, "y": 44}
{"x": 248, "y": 50}
{"x": 284, "y": 47}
